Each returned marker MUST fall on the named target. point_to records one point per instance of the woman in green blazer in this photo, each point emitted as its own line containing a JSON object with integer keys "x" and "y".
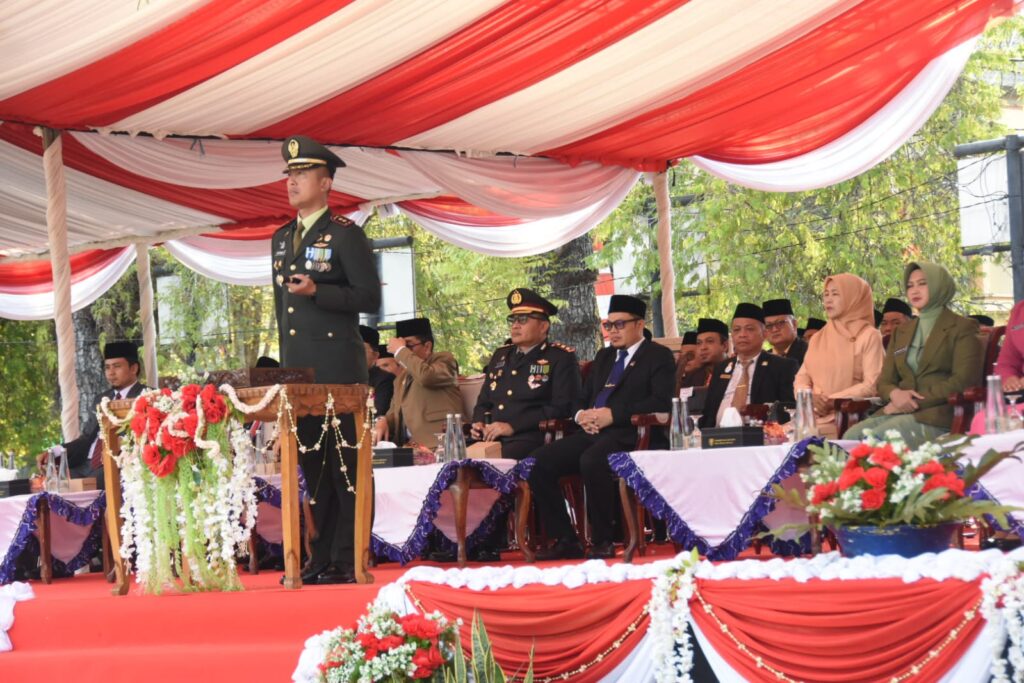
{"x": 927, "y": 360}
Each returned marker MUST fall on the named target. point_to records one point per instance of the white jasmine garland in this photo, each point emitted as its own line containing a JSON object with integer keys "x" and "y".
{"x": 1003, "y": 605}
{"x": 670, "y": 614}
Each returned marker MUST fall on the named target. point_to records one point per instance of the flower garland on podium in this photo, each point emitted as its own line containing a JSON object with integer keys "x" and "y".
{"x": 189, "y": 492}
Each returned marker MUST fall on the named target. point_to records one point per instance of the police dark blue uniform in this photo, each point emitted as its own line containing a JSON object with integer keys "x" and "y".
{"x": 324, "y": 277}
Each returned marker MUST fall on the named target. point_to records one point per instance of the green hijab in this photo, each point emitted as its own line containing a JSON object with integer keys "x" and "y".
{"x": 941, "y": 290}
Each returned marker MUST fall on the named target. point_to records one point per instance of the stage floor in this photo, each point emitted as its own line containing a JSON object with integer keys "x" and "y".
{"x": 75, "y": 629}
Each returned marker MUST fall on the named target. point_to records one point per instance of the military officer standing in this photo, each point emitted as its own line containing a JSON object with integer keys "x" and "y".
{"x": 324, "y": 277}
{"x": 529, "y": 380}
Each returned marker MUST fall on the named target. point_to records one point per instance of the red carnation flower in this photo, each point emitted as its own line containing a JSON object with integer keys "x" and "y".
{"x": 886, "y": 457}
{"x": 850, "y": 477}
{"x": 189, "y": 424}
{"x": 872, "y": 499}
{"x": 417, "y": 626}
{"x": 823, "y": 492}
{"x": 860, "y": 450}
{"x": 428, "y": 659}
{"x": 422, "y": 673}
{"x": 876, "y": 477}
{"x": 141, "y": 404}
{"x": 931, "y": 467}
{"x": 947, "y": 480}
{"x": 139, "y": 424}
{"x": 388, "y": 643}
{"x": 150, "y": 455}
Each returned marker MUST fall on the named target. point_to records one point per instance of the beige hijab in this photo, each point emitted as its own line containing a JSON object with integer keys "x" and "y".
{"x": 830, "y": 357}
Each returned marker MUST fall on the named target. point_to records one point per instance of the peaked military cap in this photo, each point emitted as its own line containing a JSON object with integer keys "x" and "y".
{"x": 745, "y": 310}
{"x": 414, "y": 327}
{"x": 370, "y": 336}
{"x": 712, "y": 325}
{"x": 897, "y": 306}
{"x": 621, "y": 303}
{"x": 689, "y": 338}
{"x": 815, "y": 323}
{"x": 985, "y": 320}
{"x": 301, "y": 152}
{"x": 777, "y": 307}
{"x": 126, "y": 350}
{"x": 523, "y": 300}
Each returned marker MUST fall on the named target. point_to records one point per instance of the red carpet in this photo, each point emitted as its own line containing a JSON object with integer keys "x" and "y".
{"x": 76, "y": 630}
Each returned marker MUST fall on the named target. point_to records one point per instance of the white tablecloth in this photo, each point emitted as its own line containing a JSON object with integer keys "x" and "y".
{"x": 715, "y": 499}
{"x": 66, "y": 537}
{"x": 1005, "y": 483}
{"x": 400, "y": 497}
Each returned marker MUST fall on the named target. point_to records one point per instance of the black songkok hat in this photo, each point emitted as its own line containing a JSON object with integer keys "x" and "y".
{"x": 370, "y": 336}
{"x": 983, "y": 320}
{"x": 752, "y": 311}
{"x": 127, "y": 350}
{"x": 301, "y": 152}
{"x": 777, "y": 307}
{"x": 712, "y": 325}
{"x": 800, "y": 332}
{"x": 689, "y": 338}
{"x": 523, "y": 300}
{"x": 897, "y": 306}
{"x": 414, "y": 327}
{"x": 620, "y": 303}
{"x": 878, "y": 317}
{"x": 383, "y": 351}
{"x": 267, "y": 362}
{"x": 815, "y": 323}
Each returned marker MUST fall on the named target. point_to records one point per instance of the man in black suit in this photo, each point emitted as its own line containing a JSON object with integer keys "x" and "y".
{"x": 324, "y": 277}
{"x": 631, "y": 376}
{"x": 780, "y": 328}
{"x": 381, "y": 381}
{"x": 752, "y": 375}
{"x": 84, "y": 454}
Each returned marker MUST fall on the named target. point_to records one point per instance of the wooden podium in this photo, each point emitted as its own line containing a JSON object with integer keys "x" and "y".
{"x": 306, "y": 399}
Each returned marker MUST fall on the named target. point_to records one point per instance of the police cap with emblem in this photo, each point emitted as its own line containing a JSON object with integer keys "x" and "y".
{"x": 984, "y": 320}
{"x": 370, "y": 336}
{"x": 815, "y": 323}
{"x": 746, "y": 310}
{"x": 621, "y": 303}
{"x": 414, "y": 327}
{"x": 777, "y": 307}
{"x": 126, "y": 350}
{"x": 302, "y": 152}
{"x": 523, "y": 300}
{"x": 712, "y": 325}
{"x": 897, "y": 306}
{"x": 689, "y": 338}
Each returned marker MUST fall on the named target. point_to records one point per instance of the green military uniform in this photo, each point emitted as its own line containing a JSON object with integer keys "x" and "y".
{"x": 322, "y": 332}
{"x": 524, "y": 388}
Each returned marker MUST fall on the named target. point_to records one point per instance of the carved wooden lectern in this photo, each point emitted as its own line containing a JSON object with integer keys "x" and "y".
{"x": 305, "y": 399}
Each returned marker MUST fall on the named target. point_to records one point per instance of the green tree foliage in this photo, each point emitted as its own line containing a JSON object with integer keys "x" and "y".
{"x": 735, "y": 244}
{"x": 28, "y": 415}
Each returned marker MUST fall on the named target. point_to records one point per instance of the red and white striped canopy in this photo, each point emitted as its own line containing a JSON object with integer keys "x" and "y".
{"x": 778, "y": 94}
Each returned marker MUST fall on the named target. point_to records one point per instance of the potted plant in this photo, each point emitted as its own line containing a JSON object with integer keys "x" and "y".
{"x": 881, "y": 497}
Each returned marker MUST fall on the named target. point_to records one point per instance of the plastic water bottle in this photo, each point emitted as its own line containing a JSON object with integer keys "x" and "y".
{"x": 677, "y": 426}
{"x": 995, "y": 406}
{"x": 460, "y": 439}
{"x": 448, "y": 452}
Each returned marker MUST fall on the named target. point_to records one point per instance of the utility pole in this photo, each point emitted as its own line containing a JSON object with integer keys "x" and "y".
{"x": 1011, "y": 145}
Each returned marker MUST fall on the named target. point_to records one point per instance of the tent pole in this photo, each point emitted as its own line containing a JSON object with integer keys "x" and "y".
{"x": 149, "y": 339}
{"x": 57, "y": 232}
{"x": 668, "y": 274}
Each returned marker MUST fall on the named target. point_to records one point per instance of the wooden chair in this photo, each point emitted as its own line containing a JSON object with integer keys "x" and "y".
{"x": 972, "y": 400}
{"x": 850, "y": 411}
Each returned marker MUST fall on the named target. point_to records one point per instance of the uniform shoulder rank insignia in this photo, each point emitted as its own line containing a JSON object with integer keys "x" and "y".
{"x": 341, "y": 220}
{"x": 564, "y": 347}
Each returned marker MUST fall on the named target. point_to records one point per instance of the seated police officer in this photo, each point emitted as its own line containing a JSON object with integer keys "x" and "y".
{"x": 632, "y": 375}
{"x": 529, "y": 380}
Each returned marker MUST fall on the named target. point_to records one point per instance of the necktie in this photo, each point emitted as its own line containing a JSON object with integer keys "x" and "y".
{"x": 613, "y": 379}
{"x": 296, "y": 238}
{"x": 739, "y": 397}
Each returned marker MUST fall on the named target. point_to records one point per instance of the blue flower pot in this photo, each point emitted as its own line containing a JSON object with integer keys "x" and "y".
{"x": 902, "y": 540}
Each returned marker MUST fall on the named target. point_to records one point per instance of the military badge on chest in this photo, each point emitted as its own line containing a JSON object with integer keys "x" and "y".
{"x": 318, "y": 257}
{"x": 540, "y": 373}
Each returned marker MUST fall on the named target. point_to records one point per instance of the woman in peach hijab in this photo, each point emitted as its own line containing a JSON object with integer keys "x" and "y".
{"x": 845, "y": 358}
